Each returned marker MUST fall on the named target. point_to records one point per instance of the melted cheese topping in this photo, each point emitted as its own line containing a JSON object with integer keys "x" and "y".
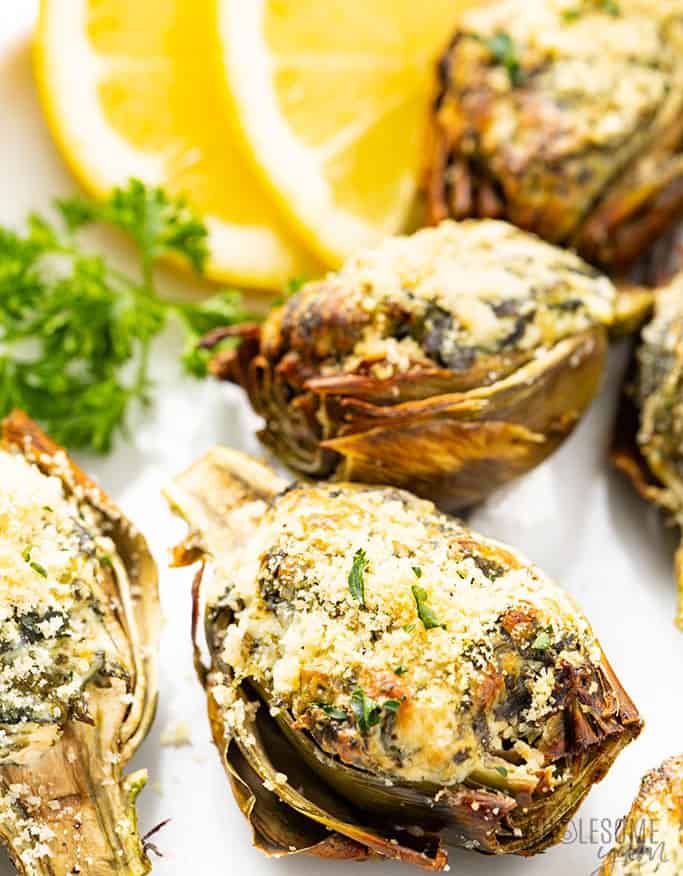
{"x": 608, "y": 71}
{"x": 552, "y": 106}
{"x": 447, "y": 666}
{"x": 453, "y": 294}
{"x": 52, "y": 640}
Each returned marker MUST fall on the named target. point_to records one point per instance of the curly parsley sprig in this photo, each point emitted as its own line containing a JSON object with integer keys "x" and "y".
{"x": 76, "y": 333}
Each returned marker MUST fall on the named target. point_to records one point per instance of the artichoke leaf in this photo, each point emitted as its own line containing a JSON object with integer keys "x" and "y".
{"x": 65, "y": 804}
{"x": 446, "y": 362}
{"x": 303, "y": 792}
{"x": 456, "y": 448}
{"x": 494, "y": 149}
{"x": 256, "y": 756}
{"x": 220, "y": 497}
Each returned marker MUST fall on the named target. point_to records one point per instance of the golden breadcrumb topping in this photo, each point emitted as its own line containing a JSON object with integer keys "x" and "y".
{"x": 450, "y": 296}
{"x": 402, "y": 642}
{"x": 52, "y": 640}
{"x": 606, "y": 63}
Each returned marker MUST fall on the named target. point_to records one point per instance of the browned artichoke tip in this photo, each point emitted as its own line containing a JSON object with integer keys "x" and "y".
{"x": 447, "y": 362}
{"x": 383, "y": 680}
{"x": 648, "y": 440}
{"x": 650, "y": 840}
{"x": 78, "y": 668}
{"x": 565, "y": 118}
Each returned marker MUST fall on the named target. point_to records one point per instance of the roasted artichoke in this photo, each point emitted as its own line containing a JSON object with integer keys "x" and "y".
{"x": 650, "y": 841}
{"x": 566, "y": 118}
{"x": 648, "y": 444}
{"x": 447, "y": 362}
{"x": 79, "y": 621}
{"x": 382, "y": 678}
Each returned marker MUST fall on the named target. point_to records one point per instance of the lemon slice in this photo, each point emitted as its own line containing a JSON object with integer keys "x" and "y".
{"x": 135, "y": 88}
{"x": 332, "y": 99}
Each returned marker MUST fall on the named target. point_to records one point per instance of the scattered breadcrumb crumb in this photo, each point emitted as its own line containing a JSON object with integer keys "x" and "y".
{"x": 176, "y": 734}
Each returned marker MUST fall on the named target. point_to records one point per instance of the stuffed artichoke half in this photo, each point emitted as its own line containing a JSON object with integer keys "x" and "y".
{"x": 648, "y": 444}
{"x": 446, "y": 362}
{"x": 650, "y": 841}
{"x": 566, "y": 118}
{"x": 78, "y": 638}
{"x": 382, "y": 678}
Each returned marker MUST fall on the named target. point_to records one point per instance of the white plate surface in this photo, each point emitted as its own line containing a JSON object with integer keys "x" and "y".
{"x": 573, "y": 516}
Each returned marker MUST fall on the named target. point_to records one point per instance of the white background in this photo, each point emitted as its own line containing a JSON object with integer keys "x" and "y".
{"x": 573, "y": 516}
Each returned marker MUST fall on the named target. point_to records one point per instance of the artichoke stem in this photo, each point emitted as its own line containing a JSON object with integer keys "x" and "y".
{"x": 71, "y": 811}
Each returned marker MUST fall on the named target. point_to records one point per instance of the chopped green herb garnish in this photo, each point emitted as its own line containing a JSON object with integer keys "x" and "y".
{"x": 400, "y": 670}
{"x": 26, "y": 554}
{"x": 424, "y": 612}
{"x": 504, "y": 52}
{"x": 542, "y": 641}
{"x": 38, "y": 569}
{"x": 75, "y": 333}
{"x": 391, "y": 705}
{"x": 332, "y": 712}
{"x": 47, "y": 508}
{"x": 105, "y": 560}
{"x": 502, "y": 771}
{"x": 408, "y": 628}
{"x": 611, "y": 7}
{"x": 368, "y": 713}
{"x": 417, "y": 571}
{"x": 356, "y": 576}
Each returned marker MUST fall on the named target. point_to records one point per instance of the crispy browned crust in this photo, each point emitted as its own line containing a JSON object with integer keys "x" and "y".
{"x": 415, "y": 431}
{"x": 636, "y": 206}
{"x": 21, "y": 433}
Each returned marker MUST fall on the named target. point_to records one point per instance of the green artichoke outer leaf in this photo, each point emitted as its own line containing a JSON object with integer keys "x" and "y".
{"x": 65, "y": 804}
{"x": 304, "y": 777}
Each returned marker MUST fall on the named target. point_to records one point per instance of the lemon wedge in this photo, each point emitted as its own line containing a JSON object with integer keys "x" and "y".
{"x": 135, "y": 88}
{"x": 332, "y": 100}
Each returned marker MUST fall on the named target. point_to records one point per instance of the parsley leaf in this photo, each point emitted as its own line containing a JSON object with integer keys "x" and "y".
{"x": 356, "y": 579}
{"x": 503, "y": 772}
{"x": 609, "y": 7}
{"x": 332, "y": 711}
{"x": 158, "y": 224}
{"x": 424, "y": 611}
{"x": 224, "y": 308}
{"x": 368, "y": 713}
{"x": 400, "y": 670}
{"x": 391, "y": 705}
{"x": 542, "y": 641}
{"x": 76, "y": 333}
{"x": 504, "y": 52}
